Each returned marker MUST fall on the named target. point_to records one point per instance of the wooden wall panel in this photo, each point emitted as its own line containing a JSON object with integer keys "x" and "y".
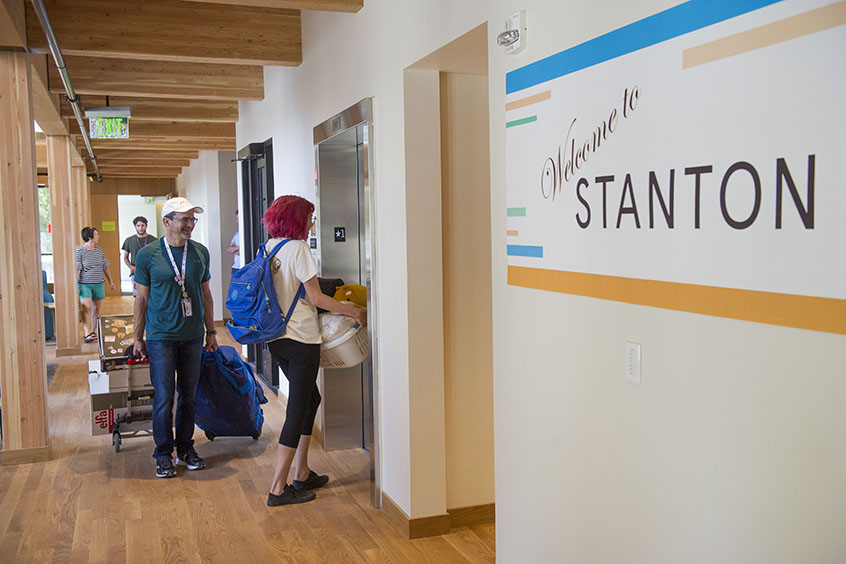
{"x": 80, "y": 200}
{"x": 86, "y": 201}
{"x": 66, "y": 239}
{"x": 23, "y": 375}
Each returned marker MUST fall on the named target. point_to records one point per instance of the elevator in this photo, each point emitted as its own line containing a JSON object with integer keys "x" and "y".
{"x": 344, "y": 245}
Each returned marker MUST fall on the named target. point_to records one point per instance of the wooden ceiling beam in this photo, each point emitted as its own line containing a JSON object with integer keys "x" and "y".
{"x": 178, "y": 130}
{"x": 158, "y": 143}
{"x": 170, "y": 30}
{"x": 141, "y": 154}
{"x": 350, "y": 6}
{"x": 12, "y": 23}
{"x": 104, "y": 170}
{"x": 150, "y": 163}
{"x": 164, "y": 109}
{"x": 45, "y": 105}
{"x": 159, "y": 79}
{"x": 150, "y": 174}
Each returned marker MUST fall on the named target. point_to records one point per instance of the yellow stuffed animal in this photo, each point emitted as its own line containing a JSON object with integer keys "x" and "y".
{"x": 354, "y": 293}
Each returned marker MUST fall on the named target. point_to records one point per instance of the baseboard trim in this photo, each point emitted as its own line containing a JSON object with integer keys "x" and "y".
{"x": 437, "y": 524}
{"x": 472, "y": 515}
{"x": 69, "y": 351}
{"x": 24, "y": 455}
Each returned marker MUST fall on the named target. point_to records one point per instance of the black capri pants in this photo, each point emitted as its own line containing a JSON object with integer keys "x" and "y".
{"x": 299, "y": 362}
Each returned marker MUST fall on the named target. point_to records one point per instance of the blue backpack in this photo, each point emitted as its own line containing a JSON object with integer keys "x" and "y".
{"x": 256, "y": 317}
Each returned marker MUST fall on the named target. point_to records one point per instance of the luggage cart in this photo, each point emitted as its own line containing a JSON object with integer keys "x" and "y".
{"x": 120, "y": 391}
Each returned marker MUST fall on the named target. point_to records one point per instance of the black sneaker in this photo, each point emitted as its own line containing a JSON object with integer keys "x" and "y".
{"x": 313, "y": 481}
{"x": 190, "y": 459}
{"x": 289, "y": 496}
{"x": 164, "y": 467}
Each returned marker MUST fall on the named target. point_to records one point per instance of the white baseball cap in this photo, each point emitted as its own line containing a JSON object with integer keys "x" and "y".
{"x": 181, "y": 205}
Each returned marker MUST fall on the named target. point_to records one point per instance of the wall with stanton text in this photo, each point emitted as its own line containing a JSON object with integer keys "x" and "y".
{"x": 730, "y": 449}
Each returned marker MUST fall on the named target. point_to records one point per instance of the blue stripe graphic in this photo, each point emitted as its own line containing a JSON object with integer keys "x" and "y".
{"x": 524, "y": 251}
{"x": 677, "y": 21}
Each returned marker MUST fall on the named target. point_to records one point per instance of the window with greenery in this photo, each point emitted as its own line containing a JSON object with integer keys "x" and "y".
{"x": 46, "y": 231}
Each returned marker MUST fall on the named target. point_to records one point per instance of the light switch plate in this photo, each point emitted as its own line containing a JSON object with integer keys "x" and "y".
{"x": 632, "y": 360}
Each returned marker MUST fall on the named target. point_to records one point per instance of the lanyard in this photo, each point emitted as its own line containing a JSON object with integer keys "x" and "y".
{"x": 180, "y": 277}
{"x": 140, "y": 245}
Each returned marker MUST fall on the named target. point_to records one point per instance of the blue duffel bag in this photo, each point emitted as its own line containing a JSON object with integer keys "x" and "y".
{"x": 228, "y": 396}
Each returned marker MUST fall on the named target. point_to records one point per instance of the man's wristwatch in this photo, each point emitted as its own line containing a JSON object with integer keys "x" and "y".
{"x": 213, "y": 332}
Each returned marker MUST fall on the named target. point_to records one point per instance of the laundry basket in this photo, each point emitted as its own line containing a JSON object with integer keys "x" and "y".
{"x": 344, "y": 341}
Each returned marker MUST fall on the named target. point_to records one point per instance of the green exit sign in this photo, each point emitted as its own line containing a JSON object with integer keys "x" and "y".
{"x": 108, "y": 127}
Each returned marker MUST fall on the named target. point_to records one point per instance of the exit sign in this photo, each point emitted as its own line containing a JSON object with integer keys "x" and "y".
{"x": 108, "y": 127}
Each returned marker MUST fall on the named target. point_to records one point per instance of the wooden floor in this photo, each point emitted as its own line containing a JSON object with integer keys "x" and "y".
{"x": 90, "y": 504}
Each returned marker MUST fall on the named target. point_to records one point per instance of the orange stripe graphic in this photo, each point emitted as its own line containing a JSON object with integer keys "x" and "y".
{"x": 793, "y": 27}
{"x": 788, "y": 310}
{"x": 523, "y": 102}
{"x": 511, "y": 233}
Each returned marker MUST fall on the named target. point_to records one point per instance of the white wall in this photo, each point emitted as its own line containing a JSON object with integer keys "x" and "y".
{"x": 467, "y": 330}
{"x": 732, "y": 451}
{"x": 210, "y": 184}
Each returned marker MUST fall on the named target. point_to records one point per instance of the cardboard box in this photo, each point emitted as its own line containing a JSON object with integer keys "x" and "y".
{"x": 110, "y": 399}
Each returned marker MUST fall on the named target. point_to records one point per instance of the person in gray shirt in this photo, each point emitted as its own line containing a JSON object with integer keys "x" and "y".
{"x": 135, "y": 243}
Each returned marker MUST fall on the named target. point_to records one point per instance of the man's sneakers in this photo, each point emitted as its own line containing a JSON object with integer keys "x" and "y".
{"x": 190, "y": 459}
{"x": 164, "y": 467}
{"x": 313, "y": 481}
{"x": 289, "y": 496}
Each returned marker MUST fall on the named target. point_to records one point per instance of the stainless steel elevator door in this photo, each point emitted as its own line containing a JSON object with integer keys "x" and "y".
{"x": 339, "y": 208}
{"x": 340, "y": 250}
{"x": 350, "y": 414}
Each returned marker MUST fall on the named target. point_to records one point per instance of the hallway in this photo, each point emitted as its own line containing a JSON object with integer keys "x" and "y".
{"x": 90, "y": 504}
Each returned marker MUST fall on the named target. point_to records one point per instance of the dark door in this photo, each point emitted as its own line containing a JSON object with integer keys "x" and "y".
{"x": 257, "y": 182}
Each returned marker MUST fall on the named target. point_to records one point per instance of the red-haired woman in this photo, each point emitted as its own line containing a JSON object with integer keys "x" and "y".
{"x": 298, "y": 350}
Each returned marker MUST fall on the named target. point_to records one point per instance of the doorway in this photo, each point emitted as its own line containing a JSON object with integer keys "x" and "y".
{"x": 345, "y": 247}
{"x": 257, "y": 194}
{"x": 450, "y": 309}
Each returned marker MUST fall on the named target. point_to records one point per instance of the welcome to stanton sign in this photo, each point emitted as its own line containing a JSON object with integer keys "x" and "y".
{"x": 693, "y": 160}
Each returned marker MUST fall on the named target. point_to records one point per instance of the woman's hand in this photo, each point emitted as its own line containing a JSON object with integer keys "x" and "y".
{"x": 112, "y": 285}
{"x": 361, "y": 316}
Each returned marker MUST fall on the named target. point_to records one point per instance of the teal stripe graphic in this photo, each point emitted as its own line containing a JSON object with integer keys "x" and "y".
{"x": 529, "y": 119}
{"x": 516, "y": 212}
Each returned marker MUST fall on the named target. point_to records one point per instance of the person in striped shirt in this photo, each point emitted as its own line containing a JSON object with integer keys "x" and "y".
{"x": 91, "y": 266}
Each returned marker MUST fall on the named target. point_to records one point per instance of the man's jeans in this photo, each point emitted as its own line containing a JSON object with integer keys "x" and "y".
{"x": 168, "y": 358}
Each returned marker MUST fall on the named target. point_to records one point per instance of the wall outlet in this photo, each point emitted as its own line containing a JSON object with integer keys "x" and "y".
{"x": 632, "y": 359}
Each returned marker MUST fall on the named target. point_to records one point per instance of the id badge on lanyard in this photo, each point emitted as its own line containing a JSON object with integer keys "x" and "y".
{"x": 185, "y": 302}
{"x": 186, "y": 306}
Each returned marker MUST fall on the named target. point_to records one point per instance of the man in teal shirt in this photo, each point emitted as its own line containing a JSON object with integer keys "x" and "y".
{"x": 173, "y": 305}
